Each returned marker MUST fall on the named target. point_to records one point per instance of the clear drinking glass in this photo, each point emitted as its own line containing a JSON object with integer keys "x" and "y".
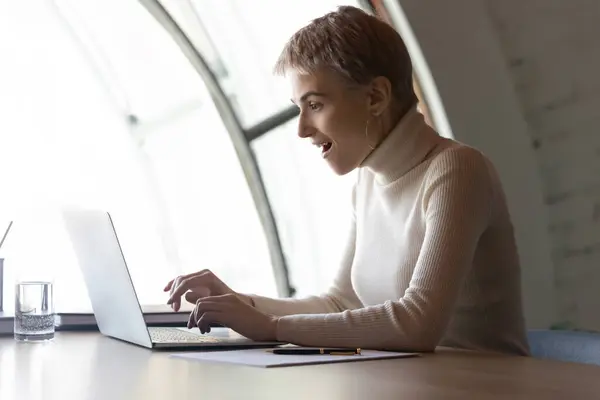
{"x": 34, "y": 311}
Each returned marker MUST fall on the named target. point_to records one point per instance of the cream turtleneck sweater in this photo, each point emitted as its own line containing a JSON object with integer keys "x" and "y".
{"x": 430, "y": 259}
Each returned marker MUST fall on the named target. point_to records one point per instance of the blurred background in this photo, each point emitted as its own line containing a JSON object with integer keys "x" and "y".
{"x": 167, "y": 114}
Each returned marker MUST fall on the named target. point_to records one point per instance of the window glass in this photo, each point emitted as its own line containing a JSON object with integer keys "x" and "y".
{"x": 242, "y": 40}
{"x": 247, "y": 37}
{"x": 207, "y": 202}
{"x": 312, "y": 206}
{"x": 101, "y": 108}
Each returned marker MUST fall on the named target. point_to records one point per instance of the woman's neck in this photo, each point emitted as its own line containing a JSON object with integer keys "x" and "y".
{"x": 407, "y": 142}
{"x": 392, "y": 118}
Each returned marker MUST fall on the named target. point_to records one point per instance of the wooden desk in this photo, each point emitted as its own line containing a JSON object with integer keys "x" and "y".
{"x": 87, "y": 366}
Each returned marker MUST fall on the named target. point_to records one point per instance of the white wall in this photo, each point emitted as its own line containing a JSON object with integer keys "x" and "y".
{"x": 552, "y": 51}
{"x": 461, "y": 48}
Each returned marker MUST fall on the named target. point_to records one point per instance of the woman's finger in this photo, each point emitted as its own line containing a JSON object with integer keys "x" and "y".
{"x": 191, "y": 320}
{"x": 193, "y": 297}
{"x": 202, "y": 306}
{"x": 206, "y": 319}
{"x": 187, "y": 282}
{"x": 174, "y": 304}
{"x": 171, "y": 285}
{"x": 168, "y": 287}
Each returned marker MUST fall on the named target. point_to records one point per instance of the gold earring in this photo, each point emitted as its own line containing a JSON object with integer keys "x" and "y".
{"x": 367, "y": 134}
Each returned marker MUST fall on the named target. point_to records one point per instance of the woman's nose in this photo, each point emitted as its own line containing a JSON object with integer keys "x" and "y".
{"x": 304, "y": 130}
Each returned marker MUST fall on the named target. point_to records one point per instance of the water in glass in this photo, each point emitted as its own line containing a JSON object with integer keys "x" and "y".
{"x": 34, "y": 311}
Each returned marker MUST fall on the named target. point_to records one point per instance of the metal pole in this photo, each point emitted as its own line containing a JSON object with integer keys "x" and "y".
{"x": 274, "y": 121}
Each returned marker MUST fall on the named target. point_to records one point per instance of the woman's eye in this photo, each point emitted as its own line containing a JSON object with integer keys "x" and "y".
{"x": 314, "y": 106}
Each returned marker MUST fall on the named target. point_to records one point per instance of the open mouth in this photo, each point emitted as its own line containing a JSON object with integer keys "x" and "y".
{"x": 325, "y": 148}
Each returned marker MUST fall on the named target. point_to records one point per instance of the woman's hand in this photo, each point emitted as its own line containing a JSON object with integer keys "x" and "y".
{"x": 199, "y": 285}
{"x": 233, "y": 312}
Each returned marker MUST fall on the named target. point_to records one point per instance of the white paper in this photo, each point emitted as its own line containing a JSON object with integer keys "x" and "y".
{"x": 264, "y": 358}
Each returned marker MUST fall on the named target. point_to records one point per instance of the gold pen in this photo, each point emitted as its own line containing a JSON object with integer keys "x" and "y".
{"x": 339, "y": 353}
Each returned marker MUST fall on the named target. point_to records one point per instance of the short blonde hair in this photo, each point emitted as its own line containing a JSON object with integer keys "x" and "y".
{"x": 355, "y": 45}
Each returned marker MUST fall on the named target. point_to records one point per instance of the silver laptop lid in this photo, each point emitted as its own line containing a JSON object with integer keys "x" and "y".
{"x": 110, "y": 288}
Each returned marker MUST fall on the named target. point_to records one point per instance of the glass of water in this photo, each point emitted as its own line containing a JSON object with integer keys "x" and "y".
{"x": 34, "y": 311}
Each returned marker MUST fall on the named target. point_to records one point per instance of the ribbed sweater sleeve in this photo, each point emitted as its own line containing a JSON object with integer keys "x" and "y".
{"x": 456, "y": 210}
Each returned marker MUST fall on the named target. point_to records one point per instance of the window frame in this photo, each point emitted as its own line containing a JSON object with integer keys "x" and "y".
{"x": 240, "y": 138}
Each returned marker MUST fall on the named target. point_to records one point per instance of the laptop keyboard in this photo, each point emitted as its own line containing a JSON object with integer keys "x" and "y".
{"x": 173, "y": 335}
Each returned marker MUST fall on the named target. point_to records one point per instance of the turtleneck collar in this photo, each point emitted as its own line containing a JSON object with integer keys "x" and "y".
{"x": 404, "y": 148}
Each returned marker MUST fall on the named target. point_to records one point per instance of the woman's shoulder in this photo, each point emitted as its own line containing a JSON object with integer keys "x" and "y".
{"x": 462, "y": 166}
{"x": 454, "y": 152}
{"x": 454, "y": 157}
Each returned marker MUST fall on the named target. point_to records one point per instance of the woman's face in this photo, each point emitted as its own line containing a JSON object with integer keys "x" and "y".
{"x": 333, "y": 116}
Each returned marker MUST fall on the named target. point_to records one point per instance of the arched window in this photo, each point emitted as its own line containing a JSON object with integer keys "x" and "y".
{"x": 170, "y": 119}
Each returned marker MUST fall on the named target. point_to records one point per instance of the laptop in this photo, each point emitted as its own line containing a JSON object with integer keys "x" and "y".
{"x": 113, "y": 297}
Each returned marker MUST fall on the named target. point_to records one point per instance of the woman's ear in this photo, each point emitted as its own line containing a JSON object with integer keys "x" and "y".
{"x": 380, "y": 95}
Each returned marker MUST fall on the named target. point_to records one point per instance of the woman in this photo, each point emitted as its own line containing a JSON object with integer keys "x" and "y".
{"x": 431, "y": 257}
